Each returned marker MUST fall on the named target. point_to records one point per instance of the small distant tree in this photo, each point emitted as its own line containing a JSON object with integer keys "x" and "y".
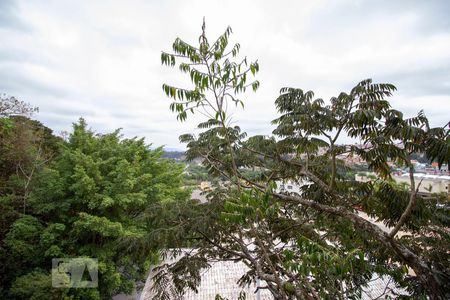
{"x": 312, "y": 244}
{"x": 11, "y": 106}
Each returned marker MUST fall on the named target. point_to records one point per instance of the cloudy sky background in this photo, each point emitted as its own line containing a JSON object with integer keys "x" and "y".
{"x": 101, "y": 59}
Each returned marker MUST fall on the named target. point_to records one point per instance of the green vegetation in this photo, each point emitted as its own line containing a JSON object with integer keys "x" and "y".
{"x": 311, "y": 245}
{"x": 115, "y": 199}
{"x": 89, "y": 196}
{"x": 196, "y": 173}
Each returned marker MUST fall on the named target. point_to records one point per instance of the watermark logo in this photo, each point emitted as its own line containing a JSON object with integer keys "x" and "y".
{"x": 80, "y": 272}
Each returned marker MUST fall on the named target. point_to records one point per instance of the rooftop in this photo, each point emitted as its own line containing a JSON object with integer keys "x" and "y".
{"x": 222, "y": 277}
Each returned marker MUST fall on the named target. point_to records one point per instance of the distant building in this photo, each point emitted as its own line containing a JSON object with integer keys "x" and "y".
{"x": 205, "y": 186}
{"x": 428, "y": 183}
{"x": 288, "y": 187}
{"x": 291, "y": 186}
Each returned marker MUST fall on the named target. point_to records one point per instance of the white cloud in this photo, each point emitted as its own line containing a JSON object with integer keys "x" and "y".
{"x": 100, "y": 59}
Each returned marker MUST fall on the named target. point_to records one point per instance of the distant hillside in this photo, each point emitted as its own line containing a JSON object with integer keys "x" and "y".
{"x": 177, "y": 155}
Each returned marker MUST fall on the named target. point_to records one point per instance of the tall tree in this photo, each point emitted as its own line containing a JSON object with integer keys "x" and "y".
{"x": 312, "y": 244}
{"x": 26, "y": 148}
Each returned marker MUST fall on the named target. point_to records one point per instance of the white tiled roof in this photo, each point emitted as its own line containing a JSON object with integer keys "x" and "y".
{"x": 222, "y": 277}
{"x": 380, "y": 288}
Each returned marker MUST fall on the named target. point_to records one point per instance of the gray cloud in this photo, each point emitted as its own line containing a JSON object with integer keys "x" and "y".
{"x": 9, "y": 16}
{"x": 100, "y": 59}
{"x": 428, "y": 81}
{"x": 17, "y": 80}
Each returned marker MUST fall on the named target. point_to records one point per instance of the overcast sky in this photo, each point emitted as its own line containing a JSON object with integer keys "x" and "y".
{"x": 101, "y": 59}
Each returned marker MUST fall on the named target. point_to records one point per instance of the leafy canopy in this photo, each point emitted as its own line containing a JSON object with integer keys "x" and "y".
{"x": 312, "y": 244}
{"x": 91, "y": 198}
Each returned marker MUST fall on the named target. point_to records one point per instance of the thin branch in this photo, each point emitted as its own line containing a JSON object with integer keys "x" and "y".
{"x": 412, "y": 201}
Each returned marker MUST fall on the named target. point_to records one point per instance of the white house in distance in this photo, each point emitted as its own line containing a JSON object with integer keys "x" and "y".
{"x": 290, "y": 186}
{"x": 428, "y": 183}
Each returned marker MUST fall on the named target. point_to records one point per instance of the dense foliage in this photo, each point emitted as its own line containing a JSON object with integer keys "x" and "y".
{"x": 88, "y": 196}
{"x": 115, "y": 199}
{"x": 312, "y": 244}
